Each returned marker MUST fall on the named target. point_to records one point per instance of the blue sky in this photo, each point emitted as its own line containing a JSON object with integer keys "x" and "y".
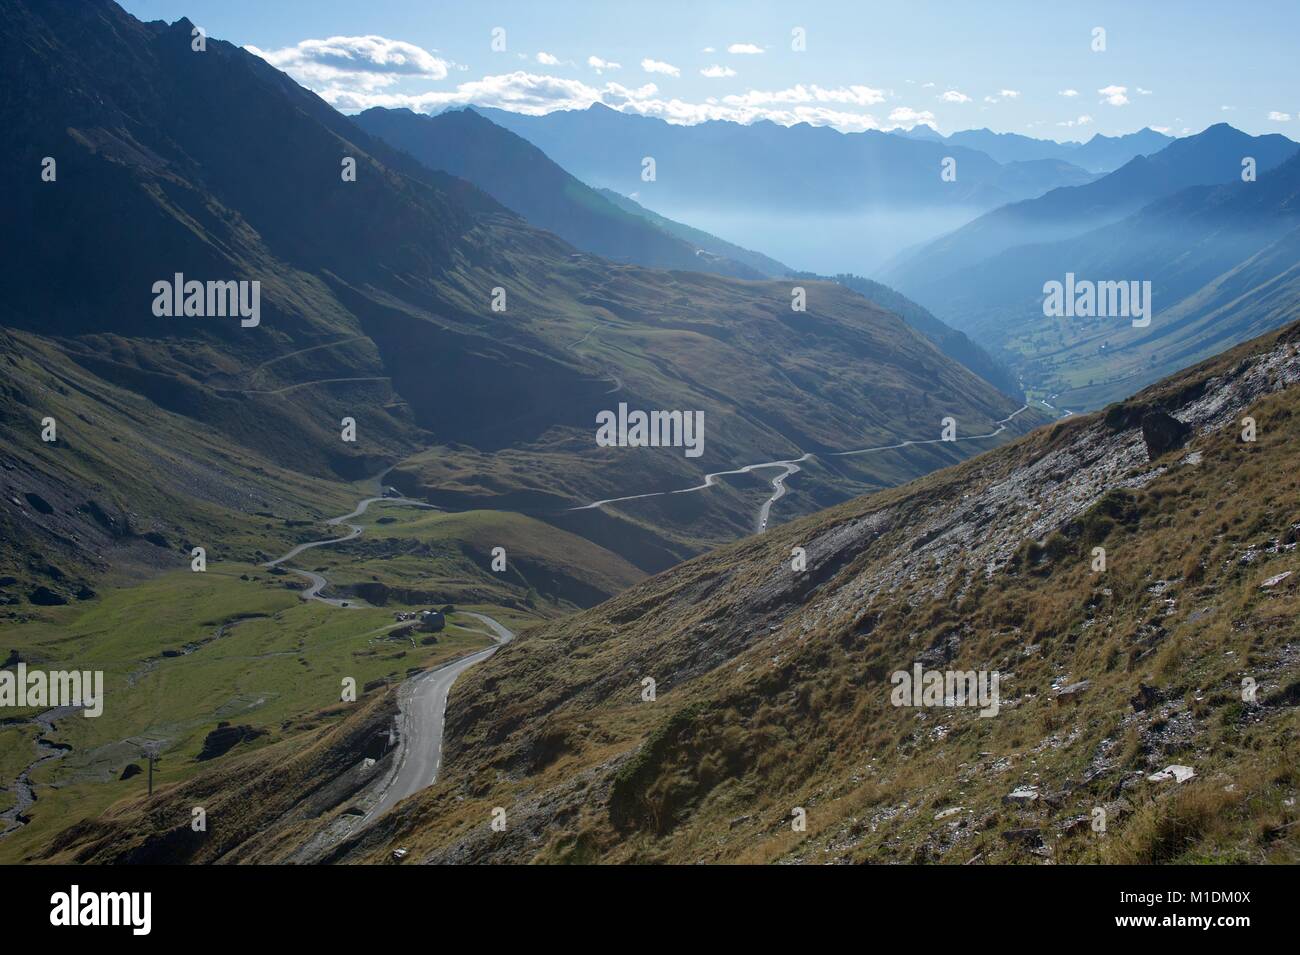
{"x": 1025, "y": 67}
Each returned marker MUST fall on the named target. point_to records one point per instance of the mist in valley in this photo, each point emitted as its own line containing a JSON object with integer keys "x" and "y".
{"x": 859, "y": 241}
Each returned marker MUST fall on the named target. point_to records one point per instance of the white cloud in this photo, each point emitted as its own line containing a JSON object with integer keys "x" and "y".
{"x": 1277, "y": 117}
{"x": 522, "y": 92}
{"x": 716, "y": 72}
{"x": 748, "y": 48}
{"x": 1162, "y": 129}
{"x": 908, "y": 117}
{"x": 707, "y": 49}
{"x": 1068, "y": 93}
{"x": 927, "y": 86}
{"x": 953, "y": 96}
{"x": 657, "y": 66}
{"x": 1009, "y": 94}
{"x": 1081, "y": 121}
{"x": 367, "y": 62}
{"x": 356, "y": 73}
{"x": 535, "y": 94}
{"x": 847, "y": 95}
{"x": 1227, "y": 108}
{"x": 1142, "y": 92}
{"x": 1114, "y": 95}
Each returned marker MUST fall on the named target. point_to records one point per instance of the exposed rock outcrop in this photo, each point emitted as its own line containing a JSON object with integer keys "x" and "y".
{"x": 1163, "y": 433}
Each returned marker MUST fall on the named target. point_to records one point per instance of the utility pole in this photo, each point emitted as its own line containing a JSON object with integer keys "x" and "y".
{"x": 152, "y": 750}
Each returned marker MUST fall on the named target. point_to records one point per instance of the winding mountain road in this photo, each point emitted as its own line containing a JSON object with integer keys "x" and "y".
{"x": 316, "y": 581}
{"x": 790, "y": 466}
{"x": 422, "y": 699}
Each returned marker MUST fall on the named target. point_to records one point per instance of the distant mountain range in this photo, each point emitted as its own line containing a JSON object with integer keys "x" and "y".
{"x": 810, "y": 196}
{"x": 1212, "y": 156}
{"x": 809, "y": 167}
{"x": 1219, "y": 258}
{"x": 1098, "y": 154}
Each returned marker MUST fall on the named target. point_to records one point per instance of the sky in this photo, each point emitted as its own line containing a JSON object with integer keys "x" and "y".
{"x": 1024, "y": 67}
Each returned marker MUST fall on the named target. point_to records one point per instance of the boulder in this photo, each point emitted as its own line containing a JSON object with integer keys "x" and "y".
{"x": 1163, "y": 433}
{"x": 224, "y": 738}
{"x": 39, "y": 503}
{"x": 43, "y": 596}
{"x": 1175, "y": 773}
{"x": 1072, "y": 693}
{"x": 1027, "y": 837}
{"x": 1021, "y": 796}
{"x": 1146, "y": 697}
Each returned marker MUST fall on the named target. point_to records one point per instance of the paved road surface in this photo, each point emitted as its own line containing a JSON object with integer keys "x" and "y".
{"x": 423, "y": 700}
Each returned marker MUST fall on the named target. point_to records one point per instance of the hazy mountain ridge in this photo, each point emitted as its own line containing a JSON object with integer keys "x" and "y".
{"x": 767, "y": 267}
{"x": 1213, "y": 156}
{"x": 517, "y": 174}
{"x": 1220, "y": 262}
{"x": 1099, "y": 154}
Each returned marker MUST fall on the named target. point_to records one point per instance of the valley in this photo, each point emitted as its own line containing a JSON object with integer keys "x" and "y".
{"x": 618, "y": 462}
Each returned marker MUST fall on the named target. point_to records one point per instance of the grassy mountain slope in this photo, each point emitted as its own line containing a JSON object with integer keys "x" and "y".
{"x": 376, "y": 305}
{"x": 843, "y": 375}
{"x": 956, "y": 345}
